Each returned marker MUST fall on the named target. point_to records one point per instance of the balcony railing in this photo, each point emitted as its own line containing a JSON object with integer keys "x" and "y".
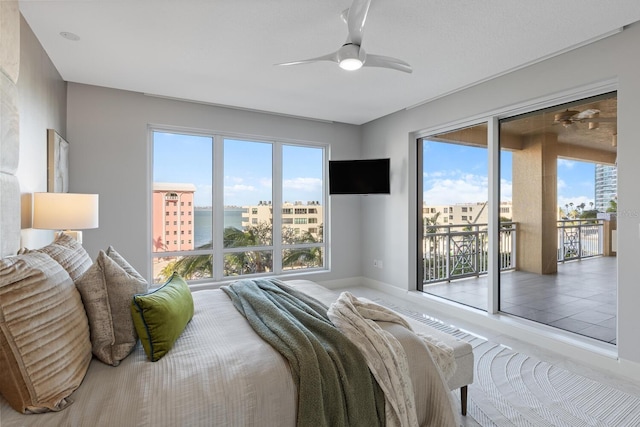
{"x": 580, "y": 238}
{"x": 457, "y": 251}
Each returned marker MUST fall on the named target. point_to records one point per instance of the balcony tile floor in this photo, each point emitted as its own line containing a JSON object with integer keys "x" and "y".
{"x": 581, "y": 298}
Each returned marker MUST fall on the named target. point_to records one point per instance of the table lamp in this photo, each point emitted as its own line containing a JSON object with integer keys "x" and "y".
{"x": 64, "y": 212}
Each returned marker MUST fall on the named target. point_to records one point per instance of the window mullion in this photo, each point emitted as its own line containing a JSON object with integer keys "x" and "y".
{"x": 218, "y": 207}
{"x": 277, "y": 207}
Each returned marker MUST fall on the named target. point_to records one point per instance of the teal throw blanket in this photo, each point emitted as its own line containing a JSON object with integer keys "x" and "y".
{"x": 335, "y": 386}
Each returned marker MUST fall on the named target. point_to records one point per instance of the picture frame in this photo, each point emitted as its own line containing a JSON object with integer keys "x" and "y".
{"x": 57, "y": 163}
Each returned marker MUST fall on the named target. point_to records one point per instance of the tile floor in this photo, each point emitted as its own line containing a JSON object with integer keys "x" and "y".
{"x": 580, "y": 298}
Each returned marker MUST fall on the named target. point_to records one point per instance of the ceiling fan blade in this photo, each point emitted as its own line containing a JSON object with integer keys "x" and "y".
{"x": 387, "y": 62}
{"x": 332, "y": 57}
{"x": 356, "y": 17}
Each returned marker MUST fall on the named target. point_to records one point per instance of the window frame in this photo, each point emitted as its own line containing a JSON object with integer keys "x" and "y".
{"x": 218, "y": 252}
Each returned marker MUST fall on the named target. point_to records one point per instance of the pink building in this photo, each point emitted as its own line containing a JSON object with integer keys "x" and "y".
{"x": 173, "y": 218}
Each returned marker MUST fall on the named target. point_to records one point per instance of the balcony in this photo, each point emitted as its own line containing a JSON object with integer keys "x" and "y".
{"x": 581, "y": 297}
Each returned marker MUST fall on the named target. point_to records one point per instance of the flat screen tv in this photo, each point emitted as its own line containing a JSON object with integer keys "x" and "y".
{"x": 369, "y": 176}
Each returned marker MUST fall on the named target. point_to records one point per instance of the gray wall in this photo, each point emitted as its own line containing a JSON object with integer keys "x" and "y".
{"x": 390, "y": 223}
{"x": 42, "y": 103}
{"x": 110, "y": 155}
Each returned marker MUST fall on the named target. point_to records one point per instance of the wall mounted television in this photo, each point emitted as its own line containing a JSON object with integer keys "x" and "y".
{"x": 370, "y": 176}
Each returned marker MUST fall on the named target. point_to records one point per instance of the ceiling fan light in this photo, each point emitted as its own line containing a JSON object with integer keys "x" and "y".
{"x": 350, "y": 64}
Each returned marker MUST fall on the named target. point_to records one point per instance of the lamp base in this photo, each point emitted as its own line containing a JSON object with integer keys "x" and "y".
{"x": 76, "y": 234}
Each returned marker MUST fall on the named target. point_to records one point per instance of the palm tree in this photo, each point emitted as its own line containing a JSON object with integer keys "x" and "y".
{"x": 190, "y": 267}
{"x": 303, "y": 257}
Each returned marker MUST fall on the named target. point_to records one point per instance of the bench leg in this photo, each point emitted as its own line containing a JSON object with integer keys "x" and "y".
{"x": 463, "y": 399}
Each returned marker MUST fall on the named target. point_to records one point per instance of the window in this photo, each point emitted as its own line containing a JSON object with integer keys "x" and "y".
{"x": 313, "y": 221}
{"x": 464, "y": 217}
{"x": 446, "y": 210}
{"x": 464, "y": 209}
{"x": 220, "y": 180}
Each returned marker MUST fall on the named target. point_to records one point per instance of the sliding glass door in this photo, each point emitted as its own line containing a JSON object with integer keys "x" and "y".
{"x": 558, "y": 177}
{"x": 453, "y": 216}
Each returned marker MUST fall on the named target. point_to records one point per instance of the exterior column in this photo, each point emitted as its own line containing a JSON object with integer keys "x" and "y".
{"x": 535, "y": 204}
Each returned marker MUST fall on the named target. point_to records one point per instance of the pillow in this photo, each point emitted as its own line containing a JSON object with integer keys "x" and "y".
{"x": 161, "y": 316}
{"x": 111, "y": 253}
{"x": 69, "y": 254}
{"x": 106, "y": 289}
{"x": 44, "y": 334}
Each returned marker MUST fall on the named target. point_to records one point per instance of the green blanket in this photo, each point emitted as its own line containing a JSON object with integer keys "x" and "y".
{"x": 335, "y": 386}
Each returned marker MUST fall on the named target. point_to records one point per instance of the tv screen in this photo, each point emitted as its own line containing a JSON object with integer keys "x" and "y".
{"x": 359, "y": 176}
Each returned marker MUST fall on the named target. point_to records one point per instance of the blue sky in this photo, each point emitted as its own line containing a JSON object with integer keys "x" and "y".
{"x": 452, "y": 173}
{"x": 458, "y": 174}
{"x": 248, "y": 169}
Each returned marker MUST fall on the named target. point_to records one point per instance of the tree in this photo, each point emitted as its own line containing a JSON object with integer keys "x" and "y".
{"x": 248, "y": 261}
{"x": 303, "y": 257}
{"x": 190, "y": 267}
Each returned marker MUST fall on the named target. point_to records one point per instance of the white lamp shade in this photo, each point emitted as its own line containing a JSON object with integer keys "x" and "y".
{"x": 65, "y": 211}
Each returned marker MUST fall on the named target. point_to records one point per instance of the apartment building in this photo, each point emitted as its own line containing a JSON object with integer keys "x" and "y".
{"x": 299, "y": 216}
{"x": 173, "y": 219}
{"x": 463, "y": 213}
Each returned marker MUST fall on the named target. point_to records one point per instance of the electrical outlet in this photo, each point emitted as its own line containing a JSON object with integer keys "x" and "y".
{"x": 380, "y": 264}
{"x": 375, "y": 263}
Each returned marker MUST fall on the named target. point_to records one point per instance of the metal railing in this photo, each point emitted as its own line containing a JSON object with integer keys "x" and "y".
{"x": 580, "y": 238}
{"x": 457, "y": 251}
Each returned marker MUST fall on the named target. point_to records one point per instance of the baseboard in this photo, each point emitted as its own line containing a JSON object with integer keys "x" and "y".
{"x": 591, "y": 353}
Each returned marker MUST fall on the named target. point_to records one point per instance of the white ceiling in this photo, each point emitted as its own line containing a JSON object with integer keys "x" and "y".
{"x": 223, "y": 52}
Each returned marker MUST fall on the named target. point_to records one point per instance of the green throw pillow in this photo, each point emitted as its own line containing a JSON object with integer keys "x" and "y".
{"x": 160, "y": 316}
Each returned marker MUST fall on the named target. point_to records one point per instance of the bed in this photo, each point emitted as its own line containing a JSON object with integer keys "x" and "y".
{"x": 219, "y": 372}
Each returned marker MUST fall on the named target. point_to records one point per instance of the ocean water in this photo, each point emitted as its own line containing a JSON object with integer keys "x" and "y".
{"x": 203, "y": 223}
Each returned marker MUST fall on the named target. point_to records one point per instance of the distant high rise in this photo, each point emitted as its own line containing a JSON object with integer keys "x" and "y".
{"x": 606, "y": 186}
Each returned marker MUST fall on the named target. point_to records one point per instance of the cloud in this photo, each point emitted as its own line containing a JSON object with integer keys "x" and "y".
{"x": 561, "y": 184}
{"x": 464, "y": 188}
{"x": 569, "y": 164}
{"x": 305, "y": 184}
{"x": 506, "y": 190}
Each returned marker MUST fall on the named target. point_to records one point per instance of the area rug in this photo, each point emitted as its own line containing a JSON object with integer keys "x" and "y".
{"x": 514, "y": 389}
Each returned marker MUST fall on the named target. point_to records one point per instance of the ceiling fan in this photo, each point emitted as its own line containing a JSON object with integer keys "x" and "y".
{"x": 351, "y": 56}
{"x": 591, "y": 115}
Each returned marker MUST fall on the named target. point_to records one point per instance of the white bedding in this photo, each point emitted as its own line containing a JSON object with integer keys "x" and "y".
{"x": 219, "y": 373}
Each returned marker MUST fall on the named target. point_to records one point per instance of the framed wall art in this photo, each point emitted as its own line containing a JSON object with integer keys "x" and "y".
{"x": 57, "y": 163}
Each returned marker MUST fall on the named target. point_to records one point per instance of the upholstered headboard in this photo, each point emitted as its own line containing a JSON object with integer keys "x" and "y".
{"x": 9, "y": 128}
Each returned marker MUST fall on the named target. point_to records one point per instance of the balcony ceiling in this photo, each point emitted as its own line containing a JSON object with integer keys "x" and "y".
{"x": 223, "y": 52}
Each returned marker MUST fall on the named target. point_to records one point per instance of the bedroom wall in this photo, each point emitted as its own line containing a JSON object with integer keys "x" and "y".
{"x": 42, "y": 103}
{"x": 110, "y": 155}
{"x": 393, "y": 218}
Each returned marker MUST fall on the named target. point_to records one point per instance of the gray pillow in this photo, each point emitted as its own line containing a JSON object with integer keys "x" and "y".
{"x": 69, "y": 254}
{"x": 44, "y": 335}
{"x": 107, "y": 289}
